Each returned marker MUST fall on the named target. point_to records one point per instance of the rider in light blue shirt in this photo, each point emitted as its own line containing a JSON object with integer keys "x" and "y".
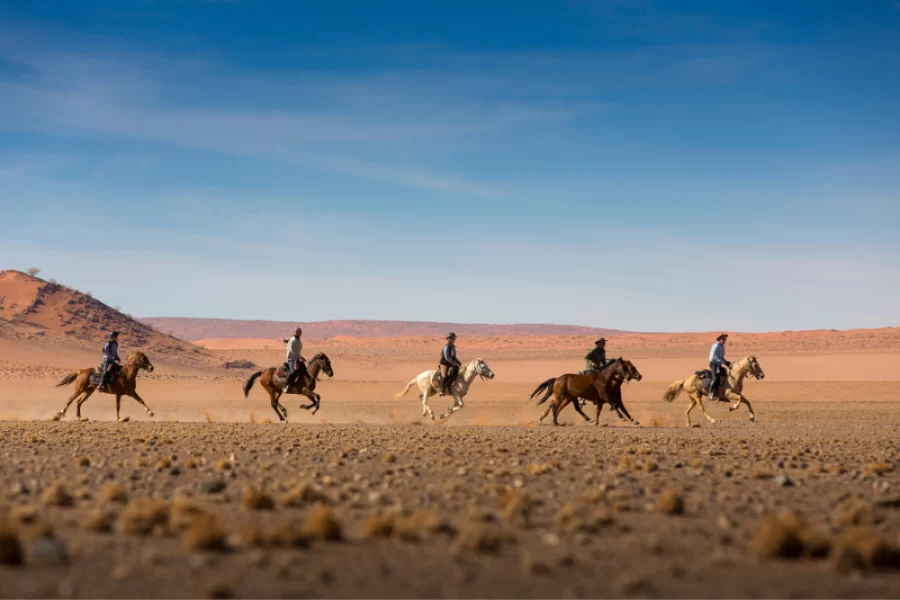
{"x": 717, "y": 363}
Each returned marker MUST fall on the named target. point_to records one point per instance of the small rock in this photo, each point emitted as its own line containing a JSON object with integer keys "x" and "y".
{"x": 784, "y": 481}
{"x": 212, "y": 486}
{"x": 47, "y": 550}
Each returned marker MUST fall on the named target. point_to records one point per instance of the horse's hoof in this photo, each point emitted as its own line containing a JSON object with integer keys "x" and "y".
{"x": 637, "y": 423}
{"x": 81, "y": 419}
{"x": 150, "y": 412}
{"x": 712, "y": 421}
{"x": 57, "y": 417}
{"x": 753, "y": 418}
{"x": 123, "y": 420}
{"x": 694, "y": 425}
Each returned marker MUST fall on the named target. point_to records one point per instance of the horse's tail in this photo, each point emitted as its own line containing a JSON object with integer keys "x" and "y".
{"x": 250, "y": 381}
{"x": 546, "y": 387}
{"x": 673, "y": 390}
{"x": 406, "y": 389}
{"x": 67, "y": 379}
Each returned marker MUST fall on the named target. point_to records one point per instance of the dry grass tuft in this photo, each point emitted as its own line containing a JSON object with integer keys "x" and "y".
{"x": 572, "y": 519}
{"x": 879, "y": 468}
{"x": 142, "y": 516}
{"x": 865, "y": 548}
{"x": 787, "y": 536}
{"x": 99, "y": 521}
{"x": 380, "y": 525}
{"x": 82, "y": 461}
{"x": 855, "y": 512}
{"x": 670, "y": 502}
{"x": 253, "y": 499}
{"x": 304, "y": 493}
{"x": 290, "y": 533}
{"x": 223, "y": 464}
{"x": 515, "y": 507}
{"x": 204, "y": 533}
{"x": 163, "y": 463}
{"x": 218, "y": 591}
{"x": 480, "y": 537}
{"x": 322, "y": 524}
{"x": 113, "y": 492}
{"x": 414, "y": 527}
{"x": 58, "y": 495}
{"x": 182, "y": 512}
{"x": 10, "y": 546}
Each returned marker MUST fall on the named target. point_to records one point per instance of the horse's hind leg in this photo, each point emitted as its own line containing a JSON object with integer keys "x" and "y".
{"x": 280, "y": 410}
{"x": 549, "y": 408}
{"x": 71, "y": 399}
{"x": 597, "y": 420}
{"x": 144, "y": 404}
{"x": 578, "y": 407}
{"x": 87, "y": 394}
{"x": 426, "y": 410}
{"x": 703, "y": 409}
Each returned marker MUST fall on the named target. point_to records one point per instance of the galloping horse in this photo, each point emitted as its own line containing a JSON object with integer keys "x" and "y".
{"x": 273, "y": 383}
{"x": 729, "y": 390}
{"x": 614, "y": 391}
{"x": 429, "y": 387}
{"x": 595, "y": 386}
{"x": 123, "y": 383}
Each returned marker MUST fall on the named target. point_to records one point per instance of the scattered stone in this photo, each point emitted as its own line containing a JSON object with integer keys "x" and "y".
{"x": 212, "y": 486}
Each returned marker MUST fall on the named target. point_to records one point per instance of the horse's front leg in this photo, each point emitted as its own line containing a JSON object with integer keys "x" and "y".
{"x": 134, "y": 395}
{"x": 625, "y": 410}
{"x": 457, "y": 404}
{"x": 738, "y": 399}
{"x": 62, "y": 413}
{"x": 579, "y": 407}
{"x": 279, "y": 408}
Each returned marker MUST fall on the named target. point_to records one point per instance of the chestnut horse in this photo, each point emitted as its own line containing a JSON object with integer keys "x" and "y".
{"x": 122, "y": 383}
{"x": 615, "y": 396}
{"x": 594, "y": 386}
{"x": 273, "y": 383}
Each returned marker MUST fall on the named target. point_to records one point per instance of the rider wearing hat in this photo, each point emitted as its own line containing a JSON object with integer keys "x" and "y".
{"x": 449, "y": 364}
{"x": 110, "y": 357}
{"x": 296, "y": 362}
{"x": 596, "y": 358}
{"x": 716, "y": 362}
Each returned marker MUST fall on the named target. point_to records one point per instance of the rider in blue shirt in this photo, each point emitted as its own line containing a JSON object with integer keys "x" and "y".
{"x": 110, "y": 357}
{"x": 717, "y": 363}
{"x": 449, "y": 364}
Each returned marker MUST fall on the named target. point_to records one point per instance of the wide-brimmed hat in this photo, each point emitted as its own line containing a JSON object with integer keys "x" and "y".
{"x": 451, "y": 336}
{"x": 724, "y": 336}
{"x": 600, "y": 340}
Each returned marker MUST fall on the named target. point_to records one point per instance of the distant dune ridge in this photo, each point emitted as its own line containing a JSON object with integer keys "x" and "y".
{"x": 39, "y": 311}
{"x": 194, "y": 329}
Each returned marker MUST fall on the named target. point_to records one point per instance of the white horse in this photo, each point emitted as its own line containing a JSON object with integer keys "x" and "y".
{"x": 427, "y": 386}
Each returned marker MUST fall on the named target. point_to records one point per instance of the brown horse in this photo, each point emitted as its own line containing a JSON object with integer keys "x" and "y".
{"x": 122, "y": 383}
{"x": 273, "y": 383}
{"x": 594, "y": 386}
{"x": 615, "y": 396}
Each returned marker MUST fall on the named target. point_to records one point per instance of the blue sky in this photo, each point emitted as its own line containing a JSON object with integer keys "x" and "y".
{"x": 632, "y": 164}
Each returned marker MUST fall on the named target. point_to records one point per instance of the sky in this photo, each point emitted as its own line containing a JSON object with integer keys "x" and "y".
{"x": 632, "y": 164}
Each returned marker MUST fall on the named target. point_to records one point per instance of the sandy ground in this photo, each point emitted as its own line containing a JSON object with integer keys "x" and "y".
{"x": 489, "y": 503}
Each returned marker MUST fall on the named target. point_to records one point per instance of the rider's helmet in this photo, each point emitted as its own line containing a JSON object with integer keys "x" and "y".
{"x": 451, "y": 336}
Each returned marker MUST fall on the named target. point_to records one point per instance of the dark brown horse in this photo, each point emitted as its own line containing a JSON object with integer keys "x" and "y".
{"x": 596, "y": 387}
{"x": 614, "y": 391}
{"x": 273, "y": 383}
{"x": 122, "y": 383}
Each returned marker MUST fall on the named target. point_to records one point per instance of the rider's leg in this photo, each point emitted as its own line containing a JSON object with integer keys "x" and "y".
{"x": 104, "y": 375}
{"x": 293, "y": 368}
{"x": 444, "y": 370}
{"x": 452, "y": 371}
{"x": 715, "y": 379}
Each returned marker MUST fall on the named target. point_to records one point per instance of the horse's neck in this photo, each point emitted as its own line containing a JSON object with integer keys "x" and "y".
{"x": 130, "y": 370}
{"x": 314, "y": 367}
{"x": 740, "y": 371}
{"x": 470, "y": 373}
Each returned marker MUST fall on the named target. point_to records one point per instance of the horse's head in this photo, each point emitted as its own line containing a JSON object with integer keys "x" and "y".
{"x": 322, "y": 359}
{"x": 615, "y": 367}
{"x": 482, "y": 369}
{"x": 754, "y": 369}
{"x": 631, "y": 371}
{"x": 140, "y": 360}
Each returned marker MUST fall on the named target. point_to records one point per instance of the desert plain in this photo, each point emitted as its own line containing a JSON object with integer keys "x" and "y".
{"x": 213, "y": 497}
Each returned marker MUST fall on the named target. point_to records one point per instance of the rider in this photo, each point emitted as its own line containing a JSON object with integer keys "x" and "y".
{"x": 596, "y": 358}
{"x": 716, "y": 360}
{"x": 449, "y": 363}
{"x": 110, "y": 357}
{"x": 296, "y": 362}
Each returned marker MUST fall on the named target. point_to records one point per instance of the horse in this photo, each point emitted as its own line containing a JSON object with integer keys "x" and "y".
{"x": 428, "y": 386}
{"x": 273, "y": 383}
{"x": 614, "y": 391}
{"x": 122, "y": 383}
{"x": 729, "y": 390}
{"x": 595, "y": 386}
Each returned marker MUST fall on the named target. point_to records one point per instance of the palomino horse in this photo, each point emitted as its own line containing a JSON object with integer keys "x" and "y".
{"x": 123, "y": 383}
{"x": 273, "y": 383}
{"x": 614, "y": 391}
{"x": 595, "y": 386}
{"x": 729, "y": 390}
{"x": 429, "y": 387}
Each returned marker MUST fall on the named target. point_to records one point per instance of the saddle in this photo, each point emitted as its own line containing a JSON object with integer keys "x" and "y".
{"x": 113, "y": 371}
{"x": 436, "y": 379}
{"x": 705, "y": 377}
{"x": 283, "y": 370}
